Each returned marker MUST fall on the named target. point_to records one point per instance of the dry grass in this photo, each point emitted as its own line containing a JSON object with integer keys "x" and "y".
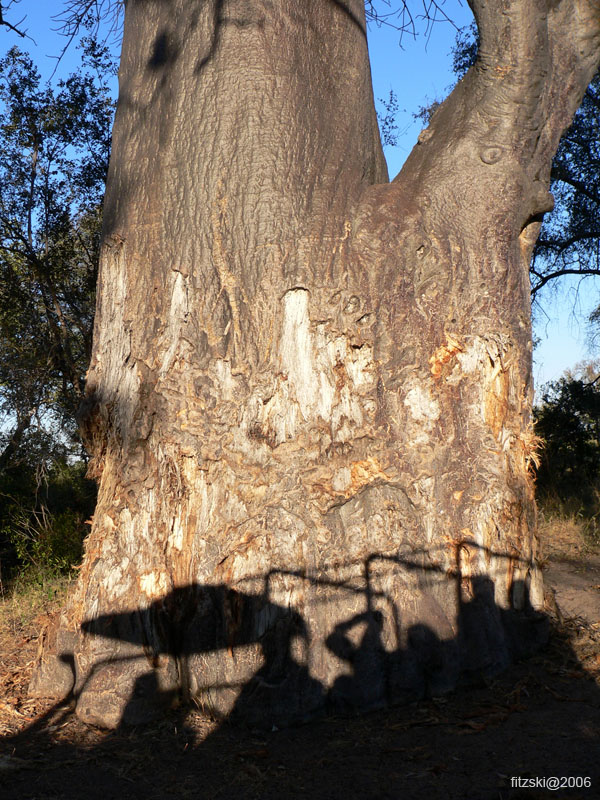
{"x": 24, "y": 602}
{"x": 23, "y": 612}
{"x": 565, "y": 537}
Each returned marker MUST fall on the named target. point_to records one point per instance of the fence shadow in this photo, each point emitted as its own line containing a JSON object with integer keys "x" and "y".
{"x": 176, "y": 641}
{"x": 246, "y": 653}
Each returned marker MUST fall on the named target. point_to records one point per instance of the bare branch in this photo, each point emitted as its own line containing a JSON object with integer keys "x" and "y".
{"x": 401, "y": 18}
{"x": 78, "y": 15}
{"x": 560, "y": 246}
{"x": 16, "y": 28}
{"x": 542, "y": 280}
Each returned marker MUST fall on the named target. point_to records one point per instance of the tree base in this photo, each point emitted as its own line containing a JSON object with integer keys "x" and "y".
{"x": 249, "y": 656}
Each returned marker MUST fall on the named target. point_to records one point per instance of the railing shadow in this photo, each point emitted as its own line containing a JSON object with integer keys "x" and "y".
{"x": 191, "y": 624}
{"x": 203, "y": 642}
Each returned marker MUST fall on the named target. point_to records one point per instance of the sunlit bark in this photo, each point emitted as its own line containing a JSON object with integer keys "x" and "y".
{"x": 309, "y": 397}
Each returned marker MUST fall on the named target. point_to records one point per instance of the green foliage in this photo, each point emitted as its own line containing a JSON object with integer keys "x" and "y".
{"x": 387, "y": 120}
{"x": 44, "y": 543}
{"x": 43, "y": 511}
{"x": 465, "y": 50}
{"x": 568, "y": 420}
{"x": 54, "y": 149}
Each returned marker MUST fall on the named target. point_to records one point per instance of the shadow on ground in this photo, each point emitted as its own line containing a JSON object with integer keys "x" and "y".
{"x": 539, "y": 719}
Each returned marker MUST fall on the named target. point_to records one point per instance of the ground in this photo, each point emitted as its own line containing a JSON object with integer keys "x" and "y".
{"x": 541, "y": 719}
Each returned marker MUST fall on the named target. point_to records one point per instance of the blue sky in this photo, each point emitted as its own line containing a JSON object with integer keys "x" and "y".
{"x": 418, "y": 71}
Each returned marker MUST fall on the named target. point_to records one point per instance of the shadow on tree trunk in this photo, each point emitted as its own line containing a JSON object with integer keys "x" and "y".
{"x": 200, "y": 644}
{"x": 537, "y": 719}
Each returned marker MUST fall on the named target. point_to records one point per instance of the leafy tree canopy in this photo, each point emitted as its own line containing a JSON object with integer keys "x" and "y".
{"x": 568, "y": 420}
{"x": 54, "y": 148}
{"x": 53, "y": 160}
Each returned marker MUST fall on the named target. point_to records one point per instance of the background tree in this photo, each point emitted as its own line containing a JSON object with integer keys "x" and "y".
{"x": 568, "y": 420}
{"x": 54, "y": 153}
{"x": 310, "y": 390}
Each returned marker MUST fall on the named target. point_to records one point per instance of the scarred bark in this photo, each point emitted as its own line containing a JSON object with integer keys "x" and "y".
{"x": 309, "y": 398}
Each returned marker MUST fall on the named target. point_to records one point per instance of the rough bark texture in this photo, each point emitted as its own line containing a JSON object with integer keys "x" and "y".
{"x": 309, "y": 399}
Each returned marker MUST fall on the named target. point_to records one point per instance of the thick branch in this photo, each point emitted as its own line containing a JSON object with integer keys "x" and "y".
{"x": 560, "y": 246}
{"x": 574, "y": 41}
{"x": 582, "y": 187}
{"x": 15, "y": 439}
{"x": 489, "y": 146}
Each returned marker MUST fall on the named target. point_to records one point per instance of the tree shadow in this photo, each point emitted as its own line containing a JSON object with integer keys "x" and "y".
{"x": 204, "y": 642}
{"x": 165, "y": 49}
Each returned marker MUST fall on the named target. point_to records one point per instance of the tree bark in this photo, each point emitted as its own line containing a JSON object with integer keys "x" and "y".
{"x": 309, "y": 398}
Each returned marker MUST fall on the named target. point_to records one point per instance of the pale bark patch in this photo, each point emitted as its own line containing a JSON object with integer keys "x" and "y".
{"x": 321, "y": 377}
{"x": 176, "y": 318}
{"x": 154, "y": 584}
{"x": 311, "y": 386}
{"x": 422, "y": 405}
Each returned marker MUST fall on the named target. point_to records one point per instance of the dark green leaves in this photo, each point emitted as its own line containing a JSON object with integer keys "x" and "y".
{"x": 568, "y": 420}
{"x": 54, "y": 148}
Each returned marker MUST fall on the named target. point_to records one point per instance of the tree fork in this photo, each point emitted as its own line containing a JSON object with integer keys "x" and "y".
{"x": 309, "y": 397}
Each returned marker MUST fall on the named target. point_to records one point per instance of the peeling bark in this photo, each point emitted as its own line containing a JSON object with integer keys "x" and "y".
{"x": 309, "y": 398}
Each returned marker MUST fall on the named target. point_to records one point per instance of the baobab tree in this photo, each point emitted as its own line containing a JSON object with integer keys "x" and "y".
{"x": 308, "y": 403}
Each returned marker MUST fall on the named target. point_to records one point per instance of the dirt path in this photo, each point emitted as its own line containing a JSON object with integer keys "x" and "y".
{"x": 572, "y": 570}
{"x": 541, "y": 719}
{"x": 576, "y": 587}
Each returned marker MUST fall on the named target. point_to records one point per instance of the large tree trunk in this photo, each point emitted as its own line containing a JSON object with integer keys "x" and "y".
{"x": 309, "y": 398}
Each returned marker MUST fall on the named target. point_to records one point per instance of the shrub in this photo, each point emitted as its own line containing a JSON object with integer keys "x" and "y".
{"x": 42, "y": 519}
{"x": 568, "y": 476}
